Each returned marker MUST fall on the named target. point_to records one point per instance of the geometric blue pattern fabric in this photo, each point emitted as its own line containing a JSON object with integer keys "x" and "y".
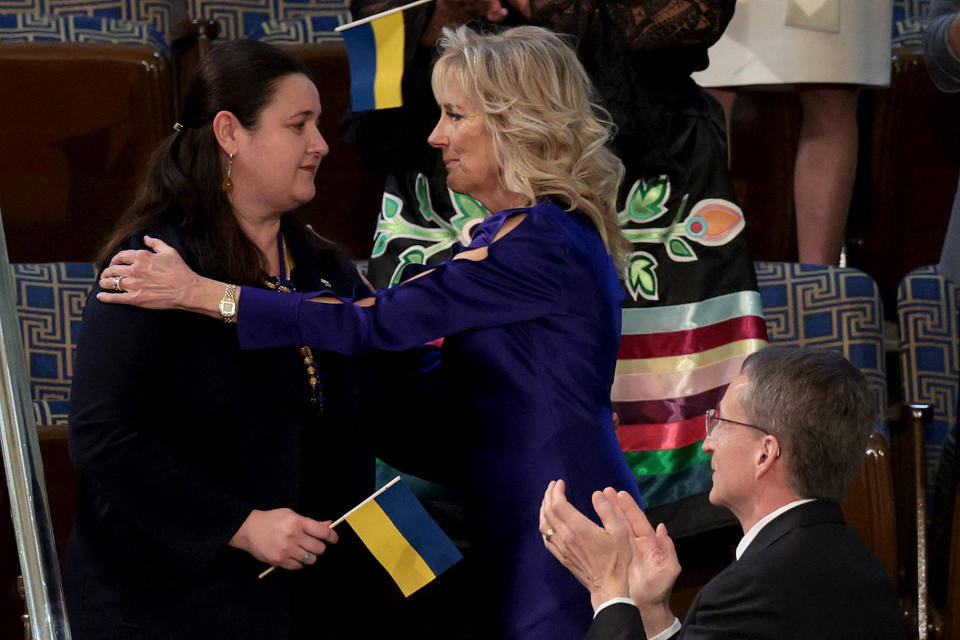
{"x": 242, "y": 18}
{"x": 909, "y": 21}
{"x": 154, "y": 13}
{"x": 827, "y": 307}
{"x": 31, "y": 28}
{"x": 51, "y": 411}
{"x": 312, "y": 30}
{"x": 49, "y": 300}
{"x": 928, "y": 311}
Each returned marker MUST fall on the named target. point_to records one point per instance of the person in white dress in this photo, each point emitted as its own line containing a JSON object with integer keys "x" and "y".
{"x": 825, "y": 51}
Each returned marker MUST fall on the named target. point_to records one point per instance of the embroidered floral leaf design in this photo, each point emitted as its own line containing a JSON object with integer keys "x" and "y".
{"x": 469, "y": 213}
{"x": 714, "y": 222}
{"x": 681, "y": 209}
{"x": 422, "y": 189}
{"x": 411, "y": 255}
{"x": 432, "y": 239}
{"x": 380, "y": 245}
{"x": 680, "y": 250}
{"x": 392, "y": 205}
{"x": 641, "y": 276}
{"x": 390, "y": 209}
{"x": 647, "y": 201}
{"x": 467, "y": 208}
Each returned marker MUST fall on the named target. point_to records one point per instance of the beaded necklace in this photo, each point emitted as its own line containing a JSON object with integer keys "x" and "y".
{"x": 284, "y": 283}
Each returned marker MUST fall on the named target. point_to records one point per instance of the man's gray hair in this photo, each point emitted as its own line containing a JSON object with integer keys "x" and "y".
{"x": 820, "y": 408}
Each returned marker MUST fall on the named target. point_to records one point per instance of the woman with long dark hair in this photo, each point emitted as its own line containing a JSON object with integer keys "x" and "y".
{"x": 201, "y": 462}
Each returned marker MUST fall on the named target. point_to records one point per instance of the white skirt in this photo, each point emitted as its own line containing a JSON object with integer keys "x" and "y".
{"x": 797, "y": 41}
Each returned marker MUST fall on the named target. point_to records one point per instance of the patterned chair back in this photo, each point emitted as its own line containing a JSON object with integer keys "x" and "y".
{"x": 909, "y": 20}
{"x": 43, "y": 19}
{"x": 825, "y": 307}
{"x": 50, "y": 301}
{"x": 278, "y": 21}
{"x": 928, "y": 311}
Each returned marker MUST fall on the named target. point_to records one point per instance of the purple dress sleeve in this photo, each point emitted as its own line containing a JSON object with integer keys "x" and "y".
{"x": 519, "y": 280}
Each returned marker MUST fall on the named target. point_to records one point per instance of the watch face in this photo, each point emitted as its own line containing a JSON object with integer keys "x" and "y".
{"x": 228, "y": 307}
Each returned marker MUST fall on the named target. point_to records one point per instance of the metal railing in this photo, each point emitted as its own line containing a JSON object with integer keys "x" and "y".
{"x": 47, "y": 615}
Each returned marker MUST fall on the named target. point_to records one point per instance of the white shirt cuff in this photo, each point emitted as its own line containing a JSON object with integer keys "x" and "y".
{"x": 663, "y": 635}
{"x": 617, "y": 600}
{"x": 668, "y": 632}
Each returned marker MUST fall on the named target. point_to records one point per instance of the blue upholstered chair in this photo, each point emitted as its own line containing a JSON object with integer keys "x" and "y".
{"x": 50, "y": 301}
{"x": 276, "y": 21}
{"x": 825, "y": 307}
{"x": 304, "y": 30}
{"x": 25, "y": 27}
{"x": 928, "y": 311}
{"x": 141, "y": 22}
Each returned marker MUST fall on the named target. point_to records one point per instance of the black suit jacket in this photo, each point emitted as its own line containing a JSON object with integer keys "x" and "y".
{"x": 805, "y": 575}
{"x": 178, "y": 435}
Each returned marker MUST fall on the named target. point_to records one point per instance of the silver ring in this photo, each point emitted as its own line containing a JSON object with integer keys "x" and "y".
{"x": 306, "y": 557}
{"x": 116, "y": 284}
{"x": 549, "y": 534}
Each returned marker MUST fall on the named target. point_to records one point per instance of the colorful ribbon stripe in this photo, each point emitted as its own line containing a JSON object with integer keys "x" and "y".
{"x": 675, "y": 362}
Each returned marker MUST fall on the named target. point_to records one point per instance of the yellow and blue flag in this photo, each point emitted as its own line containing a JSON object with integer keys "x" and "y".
{"x": 375, "y": 48}
{"x": 402, "y": 536}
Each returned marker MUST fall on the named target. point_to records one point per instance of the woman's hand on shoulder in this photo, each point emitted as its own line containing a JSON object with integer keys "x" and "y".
{"x": 283, "y": 538}
{"x": 154, "y": 279}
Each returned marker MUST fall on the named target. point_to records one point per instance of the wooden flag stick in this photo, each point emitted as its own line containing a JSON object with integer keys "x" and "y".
{"x": 349, "y": 513}
{"x": 357, "y": 23}
{"x": 374, "y": 495}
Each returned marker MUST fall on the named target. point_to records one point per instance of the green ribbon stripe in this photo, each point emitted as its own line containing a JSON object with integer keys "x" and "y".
{"x": 654, "y": 463}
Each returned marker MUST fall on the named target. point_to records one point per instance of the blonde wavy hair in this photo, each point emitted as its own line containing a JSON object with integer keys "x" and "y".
{"x": 549, "y": 135}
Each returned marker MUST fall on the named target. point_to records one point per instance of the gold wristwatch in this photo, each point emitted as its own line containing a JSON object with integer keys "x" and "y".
{"x": 228, "y": 304}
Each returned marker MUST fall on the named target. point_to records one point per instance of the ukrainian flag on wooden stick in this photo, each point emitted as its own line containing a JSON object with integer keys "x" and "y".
{"x": 375, "y": 48}
{"x": 402, "y": 536}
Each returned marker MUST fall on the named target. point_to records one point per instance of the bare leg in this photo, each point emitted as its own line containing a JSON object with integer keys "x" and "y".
{"x": 825, "y": 169}
{"x": 726, "y": 98}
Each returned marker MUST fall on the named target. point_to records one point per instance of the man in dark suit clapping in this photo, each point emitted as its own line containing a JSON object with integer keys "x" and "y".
{"x": 786, "y": 440}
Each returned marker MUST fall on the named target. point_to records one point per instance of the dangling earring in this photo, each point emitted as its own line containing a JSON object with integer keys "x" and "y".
{"x": 227, "y": 185}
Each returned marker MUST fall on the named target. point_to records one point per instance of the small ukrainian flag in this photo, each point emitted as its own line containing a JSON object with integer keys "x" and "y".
{"x": 375, "y": 48}
{"x": 402, "y": 536}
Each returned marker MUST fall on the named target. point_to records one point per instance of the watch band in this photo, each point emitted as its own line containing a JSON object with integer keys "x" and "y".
{"x": 228, "y": 304}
